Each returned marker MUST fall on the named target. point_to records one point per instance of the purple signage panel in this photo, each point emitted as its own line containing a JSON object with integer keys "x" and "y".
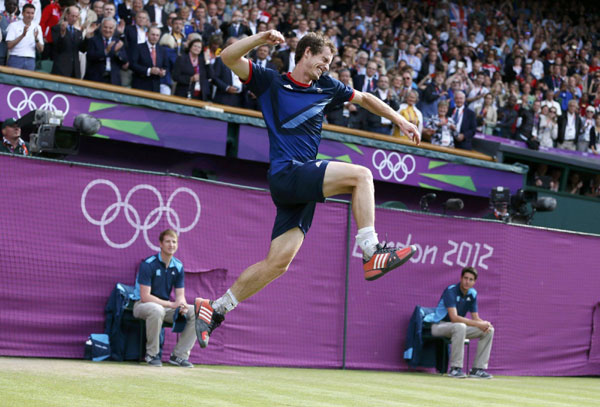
{"x": 394, "y": 166}
{"x": 77, "y": 231}
{"x": 123, "y": 122}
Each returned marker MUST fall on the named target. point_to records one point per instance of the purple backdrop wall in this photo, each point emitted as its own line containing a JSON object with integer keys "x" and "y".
{"x": 538, "y": 287}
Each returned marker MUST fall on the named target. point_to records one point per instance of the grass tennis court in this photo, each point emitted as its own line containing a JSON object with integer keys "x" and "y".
{"x": 65, "y": 383}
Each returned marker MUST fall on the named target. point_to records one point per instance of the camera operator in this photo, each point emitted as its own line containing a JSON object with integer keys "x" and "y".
{"x": 11, "y": 138}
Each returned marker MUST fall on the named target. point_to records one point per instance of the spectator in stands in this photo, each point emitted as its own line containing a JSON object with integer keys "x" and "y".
{"x": 157, "y": 276}
{"x": 508, "y": 119}
{"x": 230, "y": 90}
{"x": 68, "y": 42}
{"x": 595, "y": 135}
{"x": 261, "y": 58}
{"x": 11, "y": 138}
{"x": 434, "y": 92}
{"x": 456, "y": 301}
{"x": 343, "y": 114}
{"x": 8, "y": 16}
{"x": 376, "y": 123}
{"x": 528, "y": 123}
{"x": 548, "y": 131}
{"x": 191, "y": 73}
{"x": 368, "y": 81}
{"x": 237, "y": 27}
{"x": 575, "y": 184}
{"x": 51, "y": 15}
{"x": 466, "y": 122}
{"x": 135, "y": 34}
{"x": 106, "y": 55}
{"x": 149, "y": 63}
{"x": 477, "y": 92}
{"x": 288, "y": 56}
{"x": 177, "y": 34}
{"x": 487, "y": 116}
{"x": 125, "y": 11}
{"x": 406, "y": 85}
{"x": 569, "y": 127}
{"x": 551, "y": 103}
{"x": 23, "y": 39}
{"x": 98, "y": 8}
{"x": 588, "y": 122}
{"x": 439, "y": 129}
{"x": 410, "y": 112}
{"x": 109, "y": 11}
{"x": 156, "y": 13}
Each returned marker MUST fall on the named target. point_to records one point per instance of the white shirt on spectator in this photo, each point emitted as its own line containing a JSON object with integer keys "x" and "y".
{"x": 236, "y": 82}
{"x": 141, "y": 34}
{"x": 537, "y": 69}
{"x": 570, "y": 129}
{"x": 158, "y": 15}
{"x": 25, "y": 47}
{"x": 292, "y": 61}
{"x": 477, "y": 91}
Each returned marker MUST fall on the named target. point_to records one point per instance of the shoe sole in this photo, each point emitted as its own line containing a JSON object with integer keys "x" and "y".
{"x": 201, "y": 333}
{"x": 380, "y": 273}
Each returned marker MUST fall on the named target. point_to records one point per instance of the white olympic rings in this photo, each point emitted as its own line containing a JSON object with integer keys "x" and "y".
{"x": 29, "y": 102}
{"x": 393, "y": 165}
{"x": 132, "y": 216}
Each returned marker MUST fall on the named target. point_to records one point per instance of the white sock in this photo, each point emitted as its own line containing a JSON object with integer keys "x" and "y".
{"x": 226, "y": 303}
{"x": 367, "y": 240}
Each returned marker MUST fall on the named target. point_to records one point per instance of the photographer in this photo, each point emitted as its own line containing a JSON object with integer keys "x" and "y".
{"x": 11, "y": 138}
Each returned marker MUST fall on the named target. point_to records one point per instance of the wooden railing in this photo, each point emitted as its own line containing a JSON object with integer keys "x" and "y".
{"x": 229, "y": 109}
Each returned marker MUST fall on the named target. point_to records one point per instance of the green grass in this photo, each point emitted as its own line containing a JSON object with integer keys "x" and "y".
{"x": 65, "y": 383}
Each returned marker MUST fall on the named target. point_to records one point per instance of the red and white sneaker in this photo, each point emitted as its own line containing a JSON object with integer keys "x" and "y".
{"x": 385, "y": 259}
{"x": 207, "y": 320}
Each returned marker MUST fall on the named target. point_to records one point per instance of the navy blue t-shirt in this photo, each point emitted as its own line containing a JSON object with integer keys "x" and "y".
{"x": 452, "y": 297}
{"x": 293, "y": 112}
{"x": 161, "y": 279}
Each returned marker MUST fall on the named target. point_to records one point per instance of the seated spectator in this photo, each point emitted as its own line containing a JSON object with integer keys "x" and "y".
{"x": 594, "y": 187}
{"x": 466, "y": 122}
{"x": 106, "y": 55}
{"x": 23, "y": 39}
{"x": 149, "y": 63}
{"x": 439, "y": 129}
{"x": 11, "y": 138}
{"x": 569, "y": 127}
{"x": 409, "y": 111}
{"x": 555, "y": 179}
{"x": 575, "y": 184}
{"x": 191, "y": 73}
{"x": 541, "y": 179}
{"x": 380, "y": 124}
{"x": 157, "y": 276}
{"x": 548, "y": 130}
{"x": 456, "y": 301}
{"x": 487, "y": 115}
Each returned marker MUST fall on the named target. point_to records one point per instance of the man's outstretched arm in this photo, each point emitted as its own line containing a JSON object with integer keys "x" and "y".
{"x": 234, "y": 55}
{"x": 378, "y": 107}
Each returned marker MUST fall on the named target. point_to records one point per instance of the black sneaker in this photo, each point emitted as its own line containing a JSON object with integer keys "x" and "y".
{"x": 153, "y": 360}
{"x": 479, "y": 374}
{"x": 457, "y": 373}
{"x": 385, "y": 259}
{"x": 174, "y": 360}
{"x": 207, "y": 320}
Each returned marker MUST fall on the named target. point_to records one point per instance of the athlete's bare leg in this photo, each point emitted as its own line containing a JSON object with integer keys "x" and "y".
{"x": 344, "y": 178}
{"x": 281, "y": 253}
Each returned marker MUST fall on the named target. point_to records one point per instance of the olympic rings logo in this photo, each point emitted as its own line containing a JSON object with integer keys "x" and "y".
{"x": 132, "y": 215}
{"x": 29, "y": 102}
{"x": 393, "y": 165}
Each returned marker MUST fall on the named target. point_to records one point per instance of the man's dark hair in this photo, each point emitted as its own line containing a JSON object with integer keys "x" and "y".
{"x": 315, "y": 42}
{"x": 471, "y": 270}
{"x": 28, "y": 5}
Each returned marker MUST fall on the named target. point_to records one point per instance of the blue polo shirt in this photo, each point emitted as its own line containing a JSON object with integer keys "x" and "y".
{"x": 154, "y": 273}
{"x": 452, "y": 297}
{"x": 293, "y": 112}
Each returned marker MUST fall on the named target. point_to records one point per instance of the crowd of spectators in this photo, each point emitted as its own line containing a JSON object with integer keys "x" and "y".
{"x": 524, "y": 70}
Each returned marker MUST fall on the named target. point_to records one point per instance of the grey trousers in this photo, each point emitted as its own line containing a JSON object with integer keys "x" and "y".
{"x": 154, "y": 315}
{"x": 458, "y": 331}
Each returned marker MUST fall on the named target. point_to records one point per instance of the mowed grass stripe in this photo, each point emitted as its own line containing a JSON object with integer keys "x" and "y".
{"x": 51, "y": 382}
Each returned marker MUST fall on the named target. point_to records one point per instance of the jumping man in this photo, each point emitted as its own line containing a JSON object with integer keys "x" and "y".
{"x": 292, "y": 106}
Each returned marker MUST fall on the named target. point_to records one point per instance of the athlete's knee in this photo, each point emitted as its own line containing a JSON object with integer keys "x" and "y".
{"x": 362, "y": 176}
{"x": 277, "y": 266}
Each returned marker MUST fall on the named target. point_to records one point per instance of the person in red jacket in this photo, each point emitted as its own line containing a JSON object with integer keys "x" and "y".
{"x": 50, "y": 17}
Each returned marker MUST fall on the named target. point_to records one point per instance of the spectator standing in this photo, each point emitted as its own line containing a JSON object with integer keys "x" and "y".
{"x": 584, "y": 144}
{"x": 68, "y": 42}
{"x": 548, "y": 131}
{"x": 439, "y": 129}
{"x": 156, "y": 13}
{"x": 376, "y": 123}
{"x": 288, "y": 56}
{"x": 487, "y": 116}
{"x": 508, "y": 119}
{"x": 106, "y": 55}
{"x": 50, "y": 17}
{"x": 9, "y": 15}
{"x": 24, "y": 38}
{"x": 368, "y": 81}
{"x": 466, "y": 122}
{"x": 410, "y": 112}
{"x": 569, "y": 128}
{"x": 230, "y": 90}
{"x": 191, "y": 73}
{"x": 434, "y": 92}
{"x": 149, "y": 63}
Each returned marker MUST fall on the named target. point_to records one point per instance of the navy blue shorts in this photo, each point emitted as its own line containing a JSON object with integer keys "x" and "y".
{"x": 295, "y": 190}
